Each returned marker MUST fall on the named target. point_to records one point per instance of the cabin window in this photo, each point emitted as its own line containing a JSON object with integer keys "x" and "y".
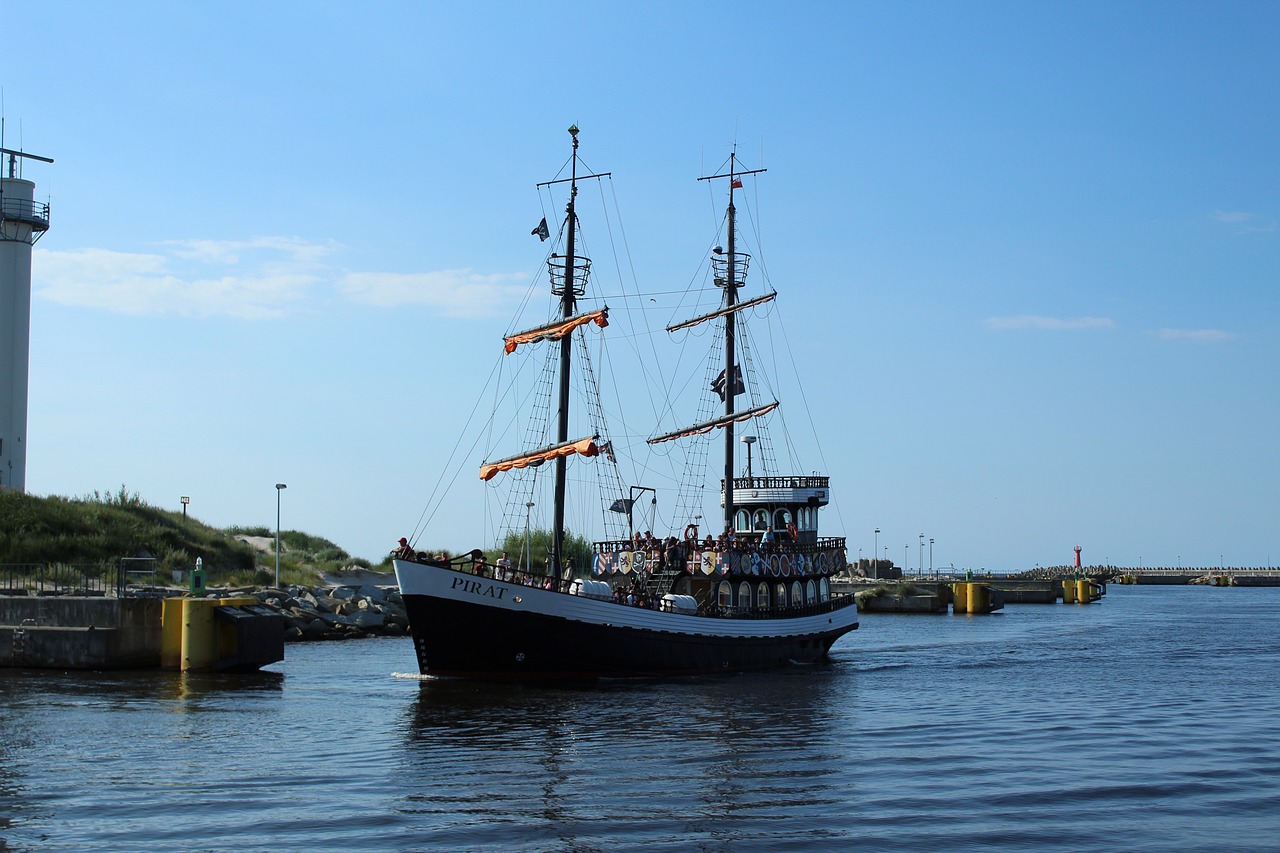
{"x": 744, "y": 595}
{"x": 797, "y": 594}
{"x": 742, "y": 520}
{"x": 824, "y": 590}
{"x": 780, "y": 595}
{"x": 726, "y": 594}
{"x": 810, "y": 593}
{"x": 781, "y": 519}
{"x": 761, "y": 520}
{"x": 762, "y": 596}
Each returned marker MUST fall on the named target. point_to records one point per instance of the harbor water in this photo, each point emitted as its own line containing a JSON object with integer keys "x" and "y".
{"x": 1149, "y": 721}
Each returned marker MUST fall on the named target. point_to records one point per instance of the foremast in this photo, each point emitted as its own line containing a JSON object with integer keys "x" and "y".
{"x": 568, "y": 281}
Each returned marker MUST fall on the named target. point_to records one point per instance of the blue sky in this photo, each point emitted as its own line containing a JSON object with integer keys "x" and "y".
{"x": 1032, "y": 250}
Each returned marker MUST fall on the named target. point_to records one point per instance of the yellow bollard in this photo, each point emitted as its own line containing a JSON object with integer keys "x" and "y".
{"x": 1068, "y": 592}
{"x": 171, "y": 633}
{"x": 979, "y": 599}
{"x": 199, "y": 637}
{"x": 1084, "y": 594}
{"x": 960, "y": 597}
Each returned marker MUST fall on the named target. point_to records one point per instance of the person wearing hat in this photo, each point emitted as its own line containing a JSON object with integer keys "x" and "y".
{"x": 404, "y": 552}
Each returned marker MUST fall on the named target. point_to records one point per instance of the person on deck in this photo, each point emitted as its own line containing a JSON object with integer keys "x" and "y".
{"x": 403, "y": 551}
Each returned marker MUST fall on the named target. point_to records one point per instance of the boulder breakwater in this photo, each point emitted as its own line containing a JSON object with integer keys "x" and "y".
{"x": 339, "y": 612}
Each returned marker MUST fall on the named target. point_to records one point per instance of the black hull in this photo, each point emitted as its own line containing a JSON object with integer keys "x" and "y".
{"x": 466, "y": 640}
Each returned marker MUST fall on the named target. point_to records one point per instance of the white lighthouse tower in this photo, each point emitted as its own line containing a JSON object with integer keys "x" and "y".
{"x": 22, "y": 222}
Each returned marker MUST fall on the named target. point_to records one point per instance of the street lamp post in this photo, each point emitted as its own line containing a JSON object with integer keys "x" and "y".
{"x": 935, "y": 577}
{"x": 528, "y": 547}
{"x": 906, "y": 550}
{"x": 875, "y": 557}
{"x": 920, "y": 564}
{"x": 279, "y": 488}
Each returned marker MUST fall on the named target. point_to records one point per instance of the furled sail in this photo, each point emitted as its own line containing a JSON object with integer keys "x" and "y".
{"x": 557, "y": 329}
{"x": 750, "y": 303}
{"x": 583, "y": 447}
{"x": 722, "y": 421}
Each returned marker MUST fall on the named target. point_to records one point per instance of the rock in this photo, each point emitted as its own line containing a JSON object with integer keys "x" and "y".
{"x": 368, "y": 619}
{"x": 373, "y": 592}
{"x": 315, "y": 630}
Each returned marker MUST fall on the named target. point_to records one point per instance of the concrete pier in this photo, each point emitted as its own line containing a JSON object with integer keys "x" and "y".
{"x": 73, "y": 632}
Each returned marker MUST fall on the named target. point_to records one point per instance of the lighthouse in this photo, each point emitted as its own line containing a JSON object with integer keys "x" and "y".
{"x": 23, "y": 221}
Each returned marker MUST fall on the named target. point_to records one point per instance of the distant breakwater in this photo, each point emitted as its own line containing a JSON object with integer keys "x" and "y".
{"x": 332, "y": 612}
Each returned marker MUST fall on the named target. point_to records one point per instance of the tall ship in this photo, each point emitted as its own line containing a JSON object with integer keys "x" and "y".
{"x": 749, "y": 589}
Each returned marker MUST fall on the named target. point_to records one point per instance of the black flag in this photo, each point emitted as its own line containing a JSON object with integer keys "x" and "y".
{"x": 738, "y": 387}
{"x": 541, "y": 231}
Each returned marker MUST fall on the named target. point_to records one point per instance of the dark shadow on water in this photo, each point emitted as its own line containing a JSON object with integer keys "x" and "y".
{"x": 134, "y": 685}
{"x": 793, "y": 699}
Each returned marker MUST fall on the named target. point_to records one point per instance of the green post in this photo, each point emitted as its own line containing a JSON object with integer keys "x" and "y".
{"x": 197, "y": 577}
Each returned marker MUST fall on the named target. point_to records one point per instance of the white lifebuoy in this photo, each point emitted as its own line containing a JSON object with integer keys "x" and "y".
{"x": 691, "y": 533}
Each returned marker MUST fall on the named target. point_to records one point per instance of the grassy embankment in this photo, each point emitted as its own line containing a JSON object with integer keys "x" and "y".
{"x": 94, "y": 532}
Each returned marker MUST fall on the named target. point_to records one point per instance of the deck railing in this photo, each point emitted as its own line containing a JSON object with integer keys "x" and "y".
{"x": 712, "y": 610}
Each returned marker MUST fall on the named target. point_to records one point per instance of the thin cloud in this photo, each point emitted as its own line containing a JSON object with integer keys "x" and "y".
{"x": 255, "y": 279}
{"x": 1031, "y": 321}
{"x": 1244, "y": 221}
{"x": 1199, "y": 336}
{"x": 454, "y": 293}
{"x": 155, "y": 284}
{"x": 293, "y": 249}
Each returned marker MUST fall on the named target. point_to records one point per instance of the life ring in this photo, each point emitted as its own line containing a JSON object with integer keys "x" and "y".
{"x": 791, "y": 530}
{"x": 690, "y": 532}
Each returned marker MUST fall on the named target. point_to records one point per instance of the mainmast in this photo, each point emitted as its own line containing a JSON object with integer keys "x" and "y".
{"x": 730, "y": 282}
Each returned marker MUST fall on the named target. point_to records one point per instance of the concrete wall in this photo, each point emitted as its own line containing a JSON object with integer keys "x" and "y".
{"x": 79, "y": 633}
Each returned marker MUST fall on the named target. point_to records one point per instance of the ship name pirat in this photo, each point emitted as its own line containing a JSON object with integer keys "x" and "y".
{"x": 487, "y": 590}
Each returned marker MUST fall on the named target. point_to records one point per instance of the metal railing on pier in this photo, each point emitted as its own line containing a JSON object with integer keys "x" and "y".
{"x": 55, "y": 579}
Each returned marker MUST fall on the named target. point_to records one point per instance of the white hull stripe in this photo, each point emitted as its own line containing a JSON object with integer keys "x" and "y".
{"x": 417, "y": 579}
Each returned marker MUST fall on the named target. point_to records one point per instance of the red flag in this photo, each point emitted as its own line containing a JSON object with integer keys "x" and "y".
{"x": 736, "y": 183}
